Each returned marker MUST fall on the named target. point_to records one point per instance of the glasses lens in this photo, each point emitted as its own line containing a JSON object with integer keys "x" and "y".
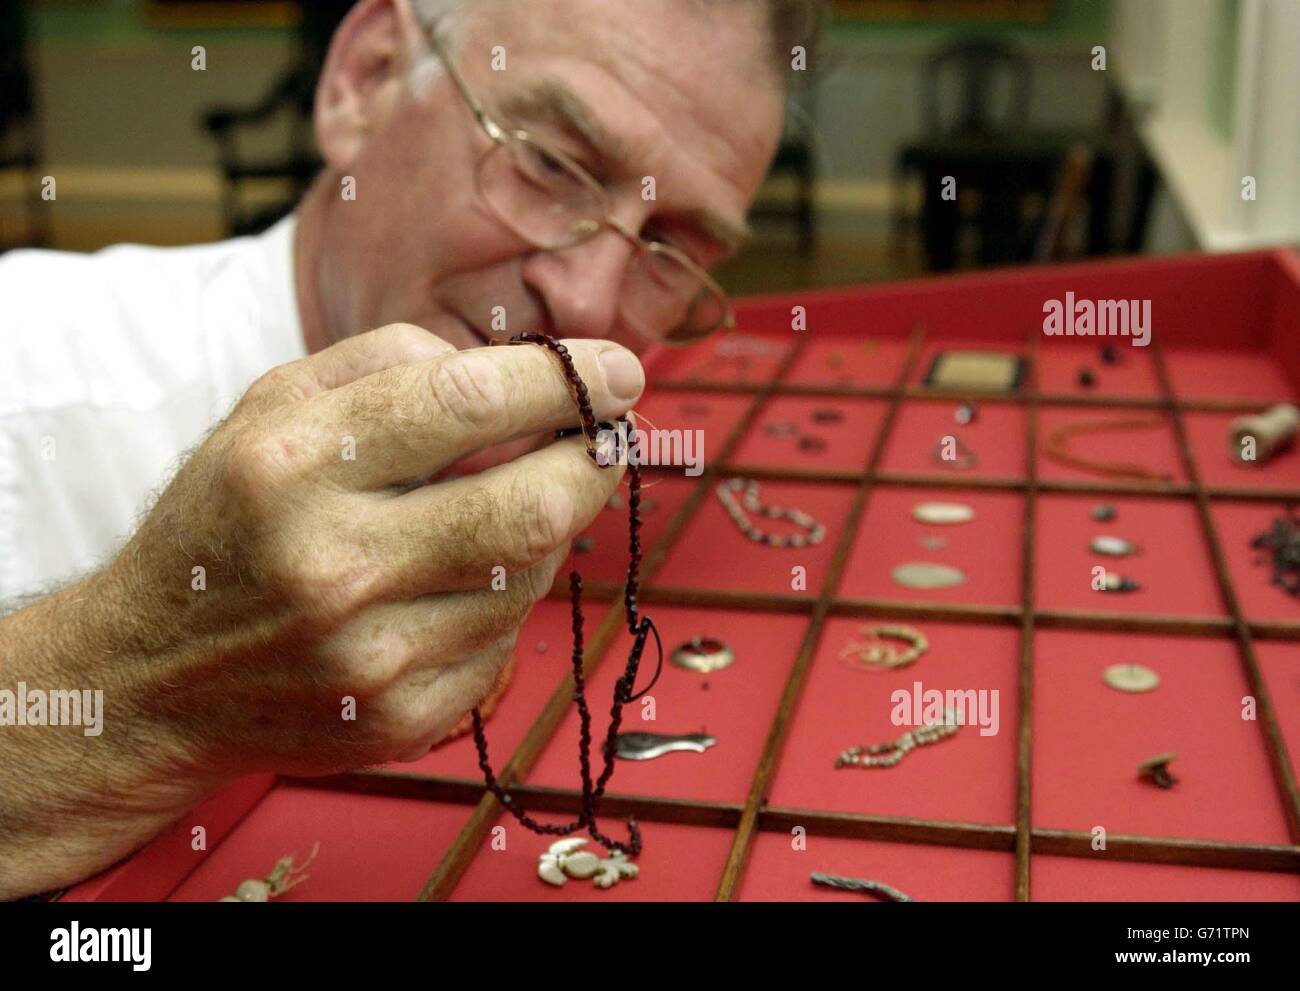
{"x": 539, "y": 193}
{"x": 666, "y": 298}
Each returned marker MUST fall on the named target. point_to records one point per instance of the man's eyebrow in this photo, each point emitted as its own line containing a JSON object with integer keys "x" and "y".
{"x": 553, "y": 102}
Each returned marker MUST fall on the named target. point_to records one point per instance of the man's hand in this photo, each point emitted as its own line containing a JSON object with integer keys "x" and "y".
{"x": 296, "y": 601}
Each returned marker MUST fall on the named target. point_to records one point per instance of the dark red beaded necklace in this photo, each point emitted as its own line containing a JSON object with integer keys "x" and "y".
{"x": 639, "y": 626}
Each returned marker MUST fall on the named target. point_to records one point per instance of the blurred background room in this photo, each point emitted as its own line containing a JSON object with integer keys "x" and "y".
{"x": 1069, "y": 129}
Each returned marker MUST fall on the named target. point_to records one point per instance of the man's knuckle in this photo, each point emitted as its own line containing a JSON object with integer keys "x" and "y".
{"x": 468, "y": 390}
{"x": 540, "y": 528}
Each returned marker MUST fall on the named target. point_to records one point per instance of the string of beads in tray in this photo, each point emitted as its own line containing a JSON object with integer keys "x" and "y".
{"x": 638, "y": 625}
{"x": 740, "y": 494}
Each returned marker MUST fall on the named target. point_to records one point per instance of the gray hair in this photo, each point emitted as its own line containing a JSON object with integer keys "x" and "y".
{"x": 790, "y": 23}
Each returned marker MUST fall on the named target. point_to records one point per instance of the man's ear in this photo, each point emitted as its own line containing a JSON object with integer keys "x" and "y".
{"x": 363, "y": 77}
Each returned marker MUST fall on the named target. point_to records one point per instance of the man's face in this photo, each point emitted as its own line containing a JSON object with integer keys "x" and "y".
{"x": 682, "y": 92}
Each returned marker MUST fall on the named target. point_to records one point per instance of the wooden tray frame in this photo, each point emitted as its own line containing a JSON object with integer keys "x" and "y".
{"x": 745, "y": 820}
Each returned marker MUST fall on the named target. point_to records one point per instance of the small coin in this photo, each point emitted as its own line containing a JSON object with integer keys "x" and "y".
{"x": 1130, "y": 678}
{"x": 926, "y": 574}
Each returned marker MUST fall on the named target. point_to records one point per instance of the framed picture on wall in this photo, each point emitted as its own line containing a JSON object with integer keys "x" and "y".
{"x": 943, "y": 10}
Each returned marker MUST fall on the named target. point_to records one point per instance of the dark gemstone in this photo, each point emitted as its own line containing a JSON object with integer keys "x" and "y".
{"x": 1086, "y": 378}
{"x": 1109, "y": 355}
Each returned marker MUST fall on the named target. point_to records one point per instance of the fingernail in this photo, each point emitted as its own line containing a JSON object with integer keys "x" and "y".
{"x": 623, "y": 375}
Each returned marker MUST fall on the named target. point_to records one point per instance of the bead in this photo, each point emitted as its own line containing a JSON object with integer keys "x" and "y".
{"x": 1086, "y": 378}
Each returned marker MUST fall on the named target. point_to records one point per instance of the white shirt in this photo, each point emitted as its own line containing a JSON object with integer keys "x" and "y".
{"x": 112, "y": 366}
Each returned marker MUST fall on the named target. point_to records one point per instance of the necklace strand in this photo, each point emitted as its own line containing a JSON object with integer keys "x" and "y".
{"x": 640, "y": 627}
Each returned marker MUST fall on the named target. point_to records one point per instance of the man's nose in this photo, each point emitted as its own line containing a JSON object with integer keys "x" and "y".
{"x": 580, "y": 285}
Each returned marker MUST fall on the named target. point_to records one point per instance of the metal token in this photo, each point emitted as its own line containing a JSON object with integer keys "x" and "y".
{"x": 1103, "y": 513}
{"x": 647, "y": 746}
{"x": 924, "y": 574}
{"x": 812, "y": 444}
{"x": 1130, "y": 678}
{"x": 942, "y": 513}
{"x": 703, "y": 654}
{"x": 966, "y": 413}
{"x": 1113, "y": 546}
{"x": 827, "y": 415}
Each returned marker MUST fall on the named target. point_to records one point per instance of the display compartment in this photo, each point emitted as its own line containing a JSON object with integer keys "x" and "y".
{"x": 1231, "y": 372}
{"x": 987, "y": 549}
{"x": 937, "y": 343}
{"x": 969, "y": 777}
{"x": 967, "y": 806}
{"x": 1132, "y": 375}
{"x": 663, "y": 494}
{"x": 1172, "y": 548}
{"x": 829, "y": 362}
{"x": 919, "y": 442}
{"x": 1209, "y": 436}
{"x": 1151, "y": 449}
{"x": 780, "y": 870}
{"x": 793, "y": 433}
{"x": 1091, "y": 738}
{"x": 1074, "y": 879}
{"x": 1238, "y": 523}
{"x": 734, "y": 705}
{"x": 678, "y": 863}
{"x": 712, "y": 553}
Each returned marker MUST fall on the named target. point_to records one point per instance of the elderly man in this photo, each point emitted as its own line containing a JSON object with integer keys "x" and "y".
{"x": 488, "y": 163}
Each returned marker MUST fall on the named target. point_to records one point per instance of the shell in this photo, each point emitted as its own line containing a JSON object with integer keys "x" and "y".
{"x": 581, "y": 865}
{"x": 253, "y": 891}
{"x": 548, "y": 869}
{"x": 566, "y": 846}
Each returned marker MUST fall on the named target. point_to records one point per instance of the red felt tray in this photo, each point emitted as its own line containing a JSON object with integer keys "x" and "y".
{"x": 1251, "y": 570}
{"x": 1132, "y": 376}
{"x": 968, "y": 777}
{"x": 988, "y": 548}
{"x": 677, "y": 863}
{"x": 848, "y": 442}
{"x": 996, "y": 437}
{"x": 712, "y": 553}
{"x": 372, "y": 847}
{"x": 778, "y": 871}
{"x": 1208, "y": 435}
{"x": 1155, "y": 449}
{"x": 1229, "y": 372}
{"x": 662, "y": 495}
{"x": 1087, "y": 879}
{"x": 736, "y": 705}
{"x": 1090, "y": 738}
{"x": 1226, "y": 327}
{"x": 1174, "y": 569}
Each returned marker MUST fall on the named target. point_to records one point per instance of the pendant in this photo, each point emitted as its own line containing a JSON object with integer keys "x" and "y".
{"x": 924, "y": 574}
{"x": 648, "y": 746}
{"x": 565, "y": 858}
{"x": 1130, "y": 678}
{"x": 1113, "y": 546}
{"x": 703, "y": 654}
{"x": 942, "y": 513}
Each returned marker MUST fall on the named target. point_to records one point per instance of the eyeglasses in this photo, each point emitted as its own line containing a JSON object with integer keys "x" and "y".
{"x": 552, "y": 202}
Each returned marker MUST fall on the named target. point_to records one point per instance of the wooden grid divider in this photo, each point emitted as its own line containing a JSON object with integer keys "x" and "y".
{"x": 784, "y": 719}
{"x": 754, "y": 815}
{"x": 1283, "y": 774}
